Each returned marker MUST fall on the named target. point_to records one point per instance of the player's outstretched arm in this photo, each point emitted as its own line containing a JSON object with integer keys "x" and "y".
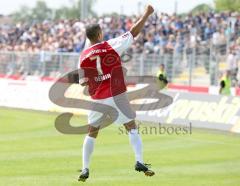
{"x": 138, "y": 26}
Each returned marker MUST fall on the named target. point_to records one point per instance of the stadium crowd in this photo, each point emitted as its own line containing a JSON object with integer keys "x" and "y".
{"x": 163, "y": 34}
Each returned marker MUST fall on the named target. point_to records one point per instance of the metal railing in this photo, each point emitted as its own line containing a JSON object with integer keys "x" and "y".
{"x": 37, "y": 64}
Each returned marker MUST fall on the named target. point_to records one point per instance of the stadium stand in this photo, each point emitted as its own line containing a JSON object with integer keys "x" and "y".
{"x": 196, "y": 49}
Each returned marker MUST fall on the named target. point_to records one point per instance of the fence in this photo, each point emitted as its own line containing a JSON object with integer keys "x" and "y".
{"x": 196, "y": 66}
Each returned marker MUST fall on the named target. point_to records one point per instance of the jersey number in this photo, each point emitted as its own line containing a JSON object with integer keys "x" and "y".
{"x": 98, "y": 64}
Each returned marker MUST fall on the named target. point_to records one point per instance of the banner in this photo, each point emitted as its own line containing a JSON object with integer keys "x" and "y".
{"x": 201, "y": 110}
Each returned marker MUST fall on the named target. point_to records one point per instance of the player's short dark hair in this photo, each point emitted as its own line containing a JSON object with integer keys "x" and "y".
{"x": 92, "y": 31}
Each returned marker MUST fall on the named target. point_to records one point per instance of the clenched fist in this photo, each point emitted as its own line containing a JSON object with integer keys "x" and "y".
{"x": 149, "y": 9}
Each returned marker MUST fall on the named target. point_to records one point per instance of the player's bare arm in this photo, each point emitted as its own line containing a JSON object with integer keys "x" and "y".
{"x": 138, "y": 26}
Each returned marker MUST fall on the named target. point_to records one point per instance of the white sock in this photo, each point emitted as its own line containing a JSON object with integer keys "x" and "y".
{"x": 136, "y": 142}
{"x": 88, "y": 146}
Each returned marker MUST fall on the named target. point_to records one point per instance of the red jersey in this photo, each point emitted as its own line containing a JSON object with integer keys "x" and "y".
{"x": 101, "y": 67}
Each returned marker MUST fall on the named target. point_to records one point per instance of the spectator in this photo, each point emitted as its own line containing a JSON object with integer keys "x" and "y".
{"x": 232, "y": 65}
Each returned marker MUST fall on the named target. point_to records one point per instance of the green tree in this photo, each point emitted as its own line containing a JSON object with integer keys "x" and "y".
{"x": 23, "y": 14}
{"x": 230, "y": 5}
{"x": 39, "y": 12}
{"x": 201, "y": 8}
{"x": 42, "y": 12}
{"x": 74, "y": 11}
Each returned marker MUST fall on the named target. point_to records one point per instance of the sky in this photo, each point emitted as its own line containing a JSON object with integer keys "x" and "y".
{"x": 107, "y": 6}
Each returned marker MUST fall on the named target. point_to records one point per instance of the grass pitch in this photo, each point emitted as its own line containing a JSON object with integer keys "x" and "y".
{"x": 33, "y": 153}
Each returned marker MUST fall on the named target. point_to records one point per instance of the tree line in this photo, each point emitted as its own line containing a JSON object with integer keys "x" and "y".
{"x": 41, "y": 11}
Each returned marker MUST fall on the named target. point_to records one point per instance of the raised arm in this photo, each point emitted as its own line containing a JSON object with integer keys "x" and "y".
{"x": 138, "y": 26}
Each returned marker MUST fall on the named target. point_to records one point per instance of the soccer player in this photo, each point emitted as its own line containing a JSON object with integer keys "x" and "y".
{"x": 102, "y": 72}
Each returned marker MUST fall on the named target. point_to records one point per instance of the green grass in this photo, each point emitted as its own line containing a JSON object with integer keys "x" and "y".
{"x": 33, "y": 153}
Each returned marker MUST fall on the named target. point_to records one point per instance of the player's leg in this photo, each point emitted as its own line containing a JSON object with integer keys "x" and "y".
{"x": 88, "y": 147}
{"x": 135, "y": 140}
{"x": 136, "y": 143}
{"x": 127, "y": 117}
